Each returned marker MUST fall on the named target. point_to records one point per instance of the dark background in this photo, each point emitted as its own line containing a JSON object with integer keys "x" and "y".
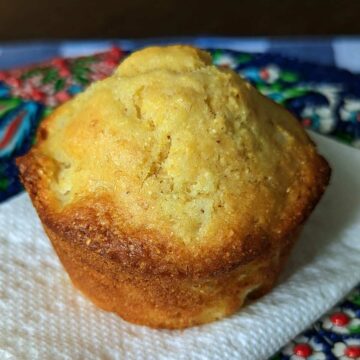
{"x": 44, "y": 19}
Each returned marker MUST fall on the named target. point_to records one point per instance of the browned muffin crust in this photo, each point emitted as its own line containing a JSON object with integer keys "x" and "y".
{"x": 93, "y": 223}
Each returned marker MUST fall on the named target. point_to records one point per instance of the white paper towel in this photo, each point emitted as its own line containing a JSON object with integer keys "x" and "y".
{"x": 43, "y": 317}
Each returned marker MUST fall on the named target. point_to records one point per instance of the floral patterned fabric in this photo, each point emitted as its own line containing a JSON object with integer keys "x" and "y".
{"x": 335, "y": 336}
{"x": 324, "y": 99}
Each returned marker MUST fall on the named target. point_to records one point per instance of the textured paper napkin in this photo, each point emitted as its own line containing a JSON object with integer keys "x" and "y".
{"x": 43, "y": 317}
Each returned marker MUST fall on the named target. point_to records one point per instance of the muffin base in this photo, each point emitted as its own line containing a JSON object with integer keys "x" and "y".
{"x": 167, "y": 301}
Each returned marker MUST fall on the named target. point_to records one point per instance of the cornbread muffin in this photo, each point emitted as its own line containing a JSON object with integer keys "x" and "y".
{"x": 172, "y": 191}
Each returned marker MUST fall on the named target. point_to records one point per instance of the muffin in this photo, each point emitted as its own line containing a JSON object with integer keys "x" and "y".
{"x": 172, "y": 191}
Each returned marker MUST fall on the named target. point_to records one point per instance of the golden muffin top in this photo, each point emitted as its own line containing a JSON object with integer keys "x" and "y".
{"x": 183, "y": 148}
